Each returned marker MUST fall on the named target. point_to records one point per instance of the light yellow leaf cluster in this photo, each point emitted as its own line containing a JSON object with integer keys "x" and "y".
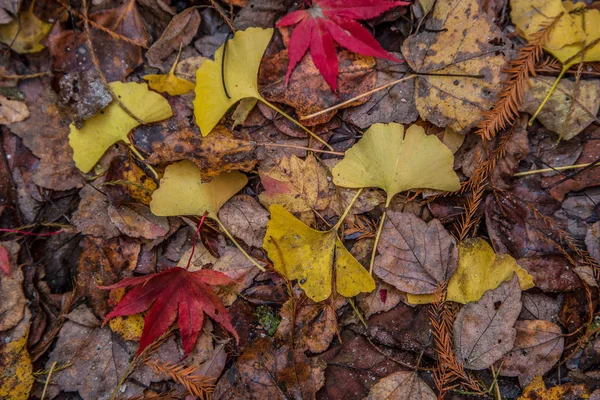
{"x": 391, "y": 159}
{"x": 113, "y": 124}
{"x": 317, "y": 259}
{"x": 238, "y": 73}
{"x": 23, "y": 34}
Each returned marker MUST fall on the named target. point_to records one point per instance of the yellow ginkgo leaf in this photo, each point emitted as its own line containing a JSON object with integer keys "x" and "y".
{"x": 169, "y": 83}
{"x": 182, "y": 191}
{"x": 23, "y": 34}
{"x": 393, "y": 160}
{"x": 313, "y": 257}
{"x": 238, "y": 74}
{"x": 113, "y": 124}
{"x": 16, "y": 378}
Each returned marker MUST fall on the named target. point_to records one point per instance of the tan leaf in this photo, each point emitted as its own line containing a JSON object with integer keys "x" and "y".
{"x": 12, "y": 111}
{"x": 383, "y": 298}
{"x": 12, "y": 306}
{"x": 539, "y": 306}
{"x": 136, "y": 221}
{"x": 483, "y": 331}
{"x": 248, "y": 219}
{"x": 401, "y": 385}
{"x": 91, "y": 218}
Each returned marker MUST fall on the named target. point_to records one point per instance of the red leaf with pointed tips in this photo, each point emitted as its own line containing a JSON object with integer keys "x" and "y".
{"x": 329, "y": 21}
{"x": 174, "y": 294}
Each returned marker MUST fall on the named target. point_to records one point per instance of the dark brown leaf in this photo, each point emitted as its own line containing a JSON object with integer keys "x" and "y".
{"x": 180, "y": 31}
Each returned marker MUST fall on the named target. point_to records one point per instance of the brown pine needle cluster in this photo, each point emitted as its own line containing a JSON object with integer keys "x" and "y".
{"x": 197, "y": 385}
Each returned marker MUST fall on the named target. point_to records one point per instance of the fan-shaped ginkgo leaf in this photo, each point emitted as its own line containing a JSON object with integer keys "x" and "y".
{"x": 24, "y": 33}
{"x": 182, "y": 191}
{"x": 219, "y": 85}
{"x": 313, "y": 257}
{"x": 113, "y": 124}
{"x": 393, "y": 160}
{"x": 169, "y": 83}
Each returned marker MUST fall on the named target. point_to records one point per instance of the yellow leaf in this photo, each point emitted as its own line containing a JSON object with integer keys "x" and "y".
{"x": 129, "y": 327}
{"x": 390, "y": 159}
{"x": 113, "y": 124}
{"x": 23, "y": 34}
{"x": 311, "y": 257}
{"x": 182, "y": 192}
{"x": 16, "y": 378}
{"x": 169, "y": 83}
{"x": 537, "y": 390}
{"x": 242, "y": 60}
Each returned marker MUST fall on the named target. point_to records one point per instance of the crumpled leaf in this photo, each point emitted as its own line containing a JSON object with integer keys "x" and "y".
{"x": 537, "y": 390}
{"x": 483, "y": 331}
{"x": 538, "y": 346}
{"x": 480, "y": 269}
{"x": 393, "y": 160}
{"x": 569, "y": 110}
{"x": 113, "y": 124}
{"x": 312, "y": 257}
{"x": 16, "y": 369}
{"x": 23, "y": 34}
{"x": 415, "y": 256}
{"x": 244, "y": 54}
{"x": 174, "y": 294}
{"x": 401, "y": 385}
{"x": 12, "y": 111}
{"x": 458, "y": 39}
{"x": 328, "y": 21}
{"x": 91, "y": 218}
{"x": 182, "y": 192}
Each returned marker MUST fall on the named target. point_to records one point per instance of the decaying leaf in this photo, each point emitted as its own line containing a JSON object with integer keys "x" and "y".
{"x": 480, "y": 269}
{"x": 91, "y": 218}
{"x": 125, "y": 182}
{"x": 415, "y": 256}
{"x": 242, "y": 60}
{"x": 136, "y": 221}
{"x": 383, "y": 298}
{"x": 313, "y": 257}
{"x": 483, "y": 330}
{"x": 393, "y": 160}
{"x": 23, "y": 34}
{"x": 13, "y": 304}
{"x": 243, "y": 215}
{"x": 569, "y": 110}
{"x": 113, "y": 124}
{"x": 12, "y": 111}
{"x": 537, "y": 390}
{"x": 402, "y": 385}
{"x": 182, "y": 192}
{"x": 539, "y": 306}
{"x": 538, "y": 346}
{"x": 459, "y": 40}
{"x": 16, "y": 369}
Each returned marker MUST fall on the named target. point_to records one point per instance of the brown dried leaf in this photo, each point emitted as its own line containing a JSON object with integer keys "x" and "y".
{"x": 515, "y": 150}
{"x": 12, "y": 111}
{"x": 180, "y": 31}
{"x": 551, "y": 273}
{"x": 136, "y": 221}
{"x": 538, "y": 346}
{"x": 247, "y": 218}
{"x": 483, "y": 330}
{"x": 125, "y": 182}
{"x": 383, "y": 298}
{"x": 539, "y": 306}
{"x": 83, "y": 94}
{"x": 415, "y": 256}
{"x": 8, "y": 10}
{"x": 91, "y": 218}
{"x": 401, "y": 385}
{"x": 12, "y": 306}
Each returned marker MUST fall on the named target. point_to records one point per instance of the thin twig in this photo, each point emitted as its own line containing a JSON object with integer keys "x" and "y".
{"x": 48, "y": 380}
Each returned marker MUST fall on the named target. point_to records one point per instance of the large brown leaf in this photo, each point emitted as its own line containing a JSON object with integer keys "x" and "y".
{"x": 414, "y": 255}
{"x": 483, "y": 330}
{"x": 401, "y": 385}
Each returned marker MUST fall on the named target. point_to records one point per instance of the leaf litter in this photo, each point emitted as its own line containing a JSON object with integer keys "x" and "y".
{"x": 250, "y": 239}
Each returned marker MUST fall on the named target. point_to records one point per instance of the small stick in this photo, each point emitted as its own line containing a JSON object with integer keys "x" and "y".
{"x": 566, "y": 167}
{"x": 48, "y": 380}
{"x": 379, "y": 229}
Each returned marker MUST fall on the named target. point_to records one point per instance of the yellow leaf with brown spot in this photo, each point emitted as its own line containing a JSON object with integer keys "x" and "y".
{"x": 536, "y": 390}
{"x": 317, "y": 259}
{"x": 23, "y": 34}
{"x": 182, "y": 191}
{"x": 16, "y": 378}
{"x": 113, "y": 124}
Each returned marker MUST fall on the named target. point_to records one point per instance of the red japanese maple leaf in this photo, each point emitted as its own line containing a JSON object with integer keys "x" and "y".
{"x": 175, "y": 293}
{"x": 334, "y": 20}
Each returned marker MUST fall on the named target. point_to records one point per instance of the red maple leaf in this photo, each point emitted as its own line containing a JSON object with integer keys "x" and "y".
{"x": 175, "y": 293}
{"x": 334, "y": 20}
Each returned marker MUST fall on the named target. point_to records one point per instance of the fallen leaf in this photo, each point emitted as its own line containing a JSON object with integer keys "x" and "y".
{"x": 12, "y": 111}
{"x": 569, "y": 110}
{"x": 24, "y": 33}
{"x": 537, "y": 390}
{"x": 514, "y": 151}
{"x": 83, "y": 94}
{"x": 480, "y": 269}
{"x": 91, "y": 218}
{"x": 180, "y": 32}
{"x": 244, "y": 216}
{"x": 458, "y": 39}
{"x": 13, "y": 305}
{"x": 136, "y": 221}
{"x": 261, "y": 13}
{"x": 244, "y": 54}
{"x": 312, "y": 257}
{"x": 383, "y": 298}
{"x": 539, "y": 306}
{"x": 8, "y": 10}
{"x": 15, "y": 363}
{"x": 538, "y": 346}
{"x": 169, "y": 83}
{"x": 4, "y": 260}
{"x": 415, "y": 256}
{"x": 298, "y": 185}
{"x": 113, "y": 123}
{"x": 194, "y": 197}
{"x": 125, "y": 183}
{"x": 390, "y": 159}
{"x": 328, "y": 21}
{"x": 483, "y": 330}
{"x": 401, "y": 385}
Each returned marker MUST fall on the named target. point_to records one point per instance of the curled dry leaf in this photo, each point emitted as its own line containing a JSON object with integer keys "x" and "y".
{"x": 401, "y": 385}
{"x": 483, "y": 330}
{"x": 125, "y": 183}
{"x": 415, "y": 256}
{"x": 458, "y": 39}
{"x": 538, "y": 346}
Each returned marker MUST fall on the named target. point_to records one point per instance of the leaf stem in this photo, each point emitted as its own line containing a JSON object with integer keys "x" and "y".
{"x": 230, "y": 236}
{"x": 562, "y": 72}
{"x": 360, "y": 96}
{"x": 347, "y": 210}
{"x": 305, "y": 129}
{"x": 379, "y": 229}
{"x": 563, "y": 168}
{"x": 48, "y": 380}
{"x": 196, "y": 240}
{"x": 335, "y": 153}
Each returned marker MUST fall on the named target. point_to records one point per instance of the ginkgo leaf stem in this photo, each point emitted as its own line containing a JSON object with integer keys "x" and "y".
{"x": 141, "y": 158}
{"x": 360, "y": 96}
{"x": 298, "y": 124}
{"x": 377, "y": 237}
{"x": 346, "y": 211}
{"x": 335, "y": 153}
{"x": 563, "y": 168}
{"x": 562, "y": 72}
{"x": 196, "y": 240}
{"x": 240, "y": 248}
{"x": 357, "y": 312}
